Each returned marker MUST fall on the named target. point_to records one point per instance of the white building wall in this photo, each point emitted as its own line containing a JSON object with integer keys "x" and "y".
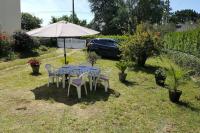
{"x": 10, "y": 16}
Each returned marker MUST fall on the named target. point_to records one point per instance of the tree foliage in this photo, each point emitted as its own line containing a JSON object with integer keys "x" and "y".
{"x": 122, "y": 16}
{"x": 69, "y": 19}
{"x": 29, "y": 22}
{"x": 185, "y": 16}
{"x": 109, "y": 16}
{"x": 149, "y": 10}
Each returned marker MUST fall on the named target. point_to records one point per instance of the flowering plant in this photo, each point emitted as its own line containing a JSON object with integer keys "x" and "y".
{"x": 34, "y": 62}
{"x": 3, "y": 37}
{"x": 92, "y": 58}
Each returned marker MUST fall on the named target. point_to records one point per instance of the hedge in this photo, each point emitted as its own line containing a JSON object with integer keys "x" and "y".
{"x": 187, "y": 42}
{"x": 185, "y": 60}
{"x": 117, "y": 37}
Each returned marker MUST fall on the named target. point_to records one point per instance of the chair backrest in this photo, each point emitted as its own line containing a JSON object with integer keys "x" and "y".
{"x": 49, "y": 68}
{"x": 106, "y": 72}
{"x": 84, "y": 77}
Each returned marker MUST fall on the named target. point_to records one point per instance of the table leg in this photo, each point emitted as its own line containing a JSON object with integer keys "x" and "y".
{"x": 90, "y": 83}
{"x": 63, "y": 80}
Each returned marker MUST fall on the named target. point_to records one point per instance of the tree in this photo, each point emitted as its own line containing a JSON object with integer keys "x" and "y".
{"x": 149, "y": 10}
{"x": 122, "y": 16}
{"x": 69, "y": 19}
{"x": 111, "y": 16}
{"x": 29, "y": 22}
{"x": 184, "y": 16}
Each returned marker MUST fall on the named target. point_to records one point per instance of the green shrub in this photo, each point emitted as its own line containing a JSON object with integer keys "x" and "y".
{"x": 5, "y": 44}
{"x": 117, "y": 37}
{"x": 160, "y": 76}
{"x": 23, "y": 42}
{"x": 139, "y": 47}
{"x": 185, "y": 60}
{"x": 4, "y": 47}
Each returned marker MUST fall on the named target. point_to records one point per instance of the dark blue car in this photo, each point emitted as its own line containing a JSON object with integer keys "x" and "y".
{"x": 104, "y": 47}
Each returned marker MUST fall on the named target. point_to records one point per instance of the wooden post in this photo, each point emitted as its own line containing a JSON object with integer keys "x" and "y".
{"x": 65, "y": 55}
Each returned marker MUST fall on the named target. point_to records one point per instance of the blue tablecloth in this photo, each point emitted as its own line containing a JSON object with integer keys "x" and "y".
{"x": 78, "y": 70}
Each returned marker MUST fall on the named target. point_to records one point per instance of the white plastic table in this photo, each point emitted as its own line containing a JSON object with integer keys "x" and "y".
{"x": 78, "y": 70}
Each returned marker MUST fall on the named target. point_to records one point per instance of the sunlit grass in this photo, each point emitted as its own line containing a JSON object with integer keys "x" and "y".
{"x": 141, "y": 107}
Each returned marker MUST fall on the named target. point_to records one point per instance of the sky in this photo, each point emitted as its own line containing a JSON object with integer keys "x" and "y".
{"x": 44, "y": 9}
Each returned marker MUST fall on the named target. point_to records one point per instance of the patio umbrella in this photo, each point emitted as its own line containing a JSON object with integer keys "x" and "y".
{"x": 62, "y": 29}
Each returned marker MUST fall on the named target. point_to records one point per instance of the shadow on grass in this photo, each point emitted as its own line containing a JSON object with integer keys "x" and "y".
{"x": 60, "y": 95}
{"x": 28, "y": 54}
{"x": 36, "y": 74}
{"x": 188, "y": 105}
{"x": 147, "y": 69}
{"x": 129, "y": 83}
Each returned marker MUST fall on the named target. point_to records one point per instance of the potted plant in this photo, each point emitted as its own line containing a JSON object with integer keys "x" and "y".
{"x": 92, "y": 58}
{"x": 122, "y": 66}
{"x": 160, "y": 77}
{"x": 174, "y": 93}
{"x": 35, "y": 65}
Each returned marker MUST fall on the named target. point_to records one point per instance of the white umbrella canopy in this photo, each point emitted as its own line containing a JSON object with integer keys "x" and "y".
{"x": 62, "y": 29}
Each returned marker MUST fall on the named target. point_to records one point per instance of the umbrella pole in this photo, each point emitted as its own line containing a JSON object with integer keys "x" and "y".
{"x": 65, "y": 53}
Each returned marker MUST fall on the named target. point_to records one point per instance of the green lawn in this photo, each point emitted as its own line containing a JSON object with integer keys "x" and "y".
{"x": 27, "y": 105}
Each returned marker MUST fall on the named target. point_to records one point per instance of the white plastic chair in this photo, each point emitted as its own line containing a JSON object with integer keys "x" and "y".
{"x": 103, "y": 79}
{"x": 52, "y": 73}
{"x": 78, "y": 83}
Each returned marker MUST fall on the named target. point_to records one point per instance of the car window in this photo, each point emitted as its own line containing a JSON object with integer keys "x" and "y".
{"x": 110, "y": 43}
{"x": 105, "y": 42}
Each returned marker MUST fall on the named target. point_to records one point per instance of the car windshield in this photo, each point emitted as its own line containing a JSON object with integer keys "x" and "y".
{"x": 106, "y": 42}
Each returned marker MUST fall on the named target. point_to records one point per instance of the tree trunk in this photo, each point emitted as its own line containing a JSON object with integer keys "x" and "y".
{"x": 141, "y": 60}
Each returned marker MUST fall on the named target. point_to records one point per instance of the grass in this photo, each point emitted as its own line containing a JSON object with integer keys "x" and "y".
{"x": 27, "y": 105}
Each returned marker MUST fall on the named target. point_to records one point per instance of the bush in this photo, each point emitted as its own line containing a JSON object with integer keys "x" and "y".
{"x": 117, "y": 37}
{"x": 23, "y": 42}
{"x": 139, "y": 47}
{"x": 5, "y": 45}
{"x": 160, "y": 76}
{"x": 185, "y": 60}
{"x": 187, "y": 42}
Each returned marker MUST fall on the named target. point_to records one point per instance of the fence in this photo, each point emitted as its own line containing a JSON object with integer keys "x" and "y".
{"x": 71, "y": 43}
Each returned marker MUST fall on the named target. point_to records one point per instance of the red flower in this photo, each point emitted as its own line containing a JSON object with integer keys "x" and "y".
{"x": 34, "y": 62}
{"x": 3, "y": 37}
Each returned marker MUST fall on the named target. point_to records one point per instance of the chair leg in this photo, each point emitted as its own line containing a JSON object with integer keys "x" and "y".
{"x": 63, "y": 79}
{"x": 95, "y": 88}
{"x": 90, "y": 83}
{"x": 53, "y": 79}
{"x": 106, "y": 86}
{"x": 85, "y": 89}
{"x": 68, "y": 89}
{"x": 48, "y": 82}
{"x": 79, "y": 92}
{"x": 57, "y": 82}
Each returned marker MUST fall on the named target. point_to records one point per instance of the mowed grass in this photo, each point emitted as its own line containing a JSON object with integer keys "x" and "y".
{"x": 27, "y": 105}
